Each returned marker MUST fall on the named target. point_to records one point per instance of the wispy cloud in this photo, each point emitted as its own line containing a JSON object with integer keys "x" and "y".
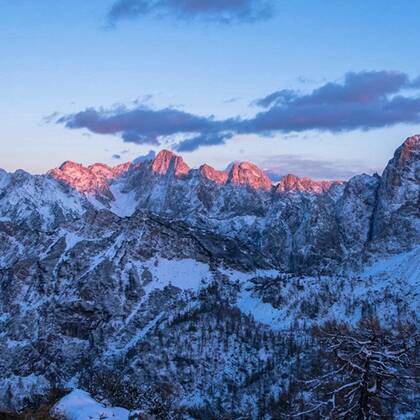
{"x": 364, "y": 100}
{"x": 220, "y": 11}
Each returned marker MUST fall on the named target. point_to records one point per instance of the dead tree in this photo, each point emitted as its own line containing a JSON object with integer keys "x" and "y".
{"x": 370, "y": 372}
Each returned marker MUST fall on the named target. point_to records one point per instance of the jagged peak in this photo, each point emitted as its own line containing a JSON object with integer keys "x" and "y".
{"x": 121, "y": 168}
{"x": 70, "y": 164}
{"x": 99, "y": 166}
{"x": 412, "y": 141}
{"x": 166, "y": 160}
{"x": 247, "y": 173}
{"x": 293, "y": 183}
{"x": 404, "y": 166}
{"x": 109, "y": 172}
{"x": 207, "y": 171}
{"x": 89, "y": 180}
{"x": 101, "y": 169}
{"x": 408, "y": 150}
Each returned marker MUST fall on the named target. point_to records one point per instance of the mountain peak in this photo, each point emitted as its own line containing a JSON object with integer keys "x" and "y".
{"x": 109, "y": 172}
{"x": 219, "y": 177}
{"x": 87, "y": 180}
{"x": 293, "y": 183}
{"x": 409, "y": 150}
{"x": 166, "y": 161}
{"x": 101, "y": 169}
{"x": 412, "y": 141}
{"x": 70, "y": 165}
{"x": 405, "y": 164}
{"x": 246, "y": 173}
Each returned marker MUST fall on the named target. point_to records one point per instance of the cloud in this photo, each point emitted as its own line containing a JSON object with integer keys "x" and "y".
{"x": 279, "y": 97}
{"x": 231, "y": 100}
{"x": 206, "y": 139}
{"x": 415, "y": 83}
{"x": 361, "y": 88}
{"x": 141, "y": 125}
{"x": 221, "y": 11}
{"x": 277, "y": 166}
{"x": 364, "y": 100}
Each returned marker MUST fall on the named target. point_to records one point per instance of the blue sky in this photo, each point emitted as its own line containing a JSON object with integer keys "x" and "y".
{"x": 59, "y": 59}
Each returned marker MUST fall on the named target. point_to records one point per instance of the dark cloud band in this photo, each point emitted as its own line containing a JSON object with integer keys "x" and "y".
{"x": 363, "y": 100}
{"x": 222, "y": 11}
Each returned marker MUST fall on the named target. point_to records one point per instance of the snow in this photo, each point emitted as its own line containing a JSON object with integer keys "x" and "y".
{"x": 124, "y": 204}
{"x": 25, "y": 387}
{"x": 184, "y": 273}
{"x": 405, "y": 266}
{"x": 72, "y": 239}
{"x": 4, "y": 178}
{"x": 141, "y": 333}
{"x": 79, "y": 405}
{"x": 262, "y": 312}
{"x": 391, "y": 275}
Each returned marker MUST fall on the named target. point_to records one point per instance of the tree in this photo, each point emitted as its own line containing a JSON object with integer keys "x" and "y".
{"x": 368, "y": 371}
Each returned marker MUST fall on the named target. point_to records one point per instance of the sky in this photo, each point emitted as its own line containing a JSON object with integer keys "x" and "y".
{"x": 326, "y": 89}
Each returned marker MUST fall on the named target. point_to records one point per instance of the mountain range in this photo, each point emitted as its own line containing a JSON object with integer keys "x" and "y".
{"x": 153, "y": 273}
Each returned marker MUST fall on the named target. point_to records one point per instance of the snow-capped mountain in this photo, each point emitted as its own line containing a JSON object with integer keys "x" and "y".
{"x": 155, "y": 273}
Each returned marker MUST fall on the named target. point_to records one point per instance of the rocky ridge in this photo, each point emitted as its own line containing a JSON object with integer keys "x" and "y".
{"x": 290, "y": 221}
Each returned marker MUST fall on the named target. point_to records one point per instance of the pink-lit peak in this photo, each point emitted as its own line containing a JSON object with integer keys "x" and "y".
{"x": 88, "y": 180}
{"x": 292, "y": 183}
{"x": 240, "y": 174}
{"x": 95, "y": 178}
{"x": 410, "y": 149}
{"x": 246, "y": 173}
{"x": 166, "y": 160}
{"x": 208, "y": 172}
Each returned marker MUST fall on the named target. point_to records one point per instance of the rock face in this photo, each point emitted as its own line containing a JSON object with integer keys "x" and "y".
{"x": 396, "y": 220}
{"x": 91, "y": 180}
{"x": 218, "y": 177}
{"x": 167, "y": 162}
{"x": 248, "y": 175}
{"x": 145, "y": 270}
